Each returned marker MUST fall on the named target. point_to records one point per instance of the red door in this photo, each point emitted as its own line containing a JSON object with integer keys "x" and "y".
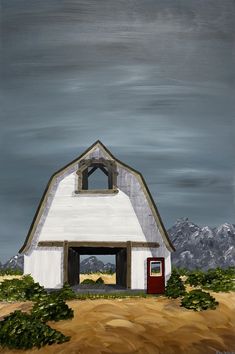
{"x": 155, "y": 275}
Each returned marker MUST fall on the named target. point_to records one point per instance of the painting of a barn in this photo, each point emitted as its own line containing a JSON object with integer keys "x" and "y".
{"x": 78, "y": 217}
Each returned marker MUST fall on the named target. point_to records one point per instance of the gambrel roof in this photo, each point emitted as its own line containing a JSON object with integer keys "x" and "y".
{"x": 74, "y": 163}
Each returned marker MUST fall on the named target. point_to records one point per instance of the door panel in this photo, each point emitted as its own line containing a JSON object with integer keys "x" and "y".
{"x": 155, "y": 275}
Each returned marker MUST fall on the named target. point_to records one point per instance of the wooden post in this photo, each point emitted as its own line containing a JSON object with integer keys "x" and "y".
{"x": 85, "y": 179}
{"x": 128, "y": 277}
{"x": 66, "y": 258}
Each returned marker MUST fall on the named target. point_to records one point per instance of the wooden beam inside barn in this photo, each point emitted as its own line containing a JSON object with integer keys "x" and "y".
{"x": 98, "y": 244}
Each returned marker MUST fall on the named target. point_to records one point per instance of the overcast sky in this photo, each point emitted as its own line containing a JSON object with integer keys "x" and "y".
{"x": 153, "y": 80}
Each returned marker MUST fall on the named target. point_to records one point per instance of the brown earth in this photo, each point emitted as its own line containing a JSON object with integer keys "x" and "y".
{"x": 141, "y": 325}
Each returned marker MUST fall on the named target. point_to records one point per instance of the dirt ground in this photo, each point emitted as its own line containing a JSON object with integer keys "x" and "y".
{"x": 139, "y": 325}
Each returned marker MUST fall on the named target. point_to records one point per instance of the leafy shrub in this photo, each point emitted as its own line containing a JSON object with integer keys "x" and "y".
{"x": 21, "y": 289}
{"x": 9, "y": 271}
{"x": 181, "y": 271}
{"x": 219, "y": 280}
{"x": 198, "y": 300}
{"x": 50, "y": 308}
{"x": 214, "y": 279}
{"x": 99, "y": 281}
{"x": 65, "y": 293}
{"x": 195, "y": 278}
{"x": 175, "y": 286}
{"x": 22, "y": 331}
{"x": 88, "y": 281}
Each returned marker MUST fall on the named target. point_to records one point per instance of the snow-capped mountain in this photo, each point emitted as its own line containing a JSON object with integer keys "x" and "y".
{"x": 92, "y": 265}
{"x": 202, "y": 247}
{"x": 16, "y": 262}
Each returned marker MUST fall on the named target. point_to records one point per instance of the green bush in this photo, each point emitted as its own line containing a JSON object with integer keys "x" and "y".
{"x": 198, "y": 300}
{"x": 181, "y": 271}
{"x": 21, "y": 289}
{"x": 50, "y": 308}
{"x": 219, "y": 280}
{"x": 22, "y": 331}
{"x": 99, "y": 281}
{"x": 88, "y": 281}
{"x": 214, "y": 279}
{"x": 195, "y": 278}
{"x": 65, "y": 293}
{"x": 175, "y": 286}
{"x": 10, "y": 271}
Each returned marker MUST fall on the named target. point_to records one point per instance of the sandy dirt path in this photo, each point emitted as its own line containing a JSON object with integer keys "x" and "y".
{"x": 144, "y": 326}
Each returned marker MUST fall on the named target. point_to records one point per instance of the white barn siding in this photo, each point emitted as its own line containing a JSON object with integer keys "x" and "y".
{"x": 139, "y": 265}
{"x": 45, "y": 267}
{"x": 77, "y": 217}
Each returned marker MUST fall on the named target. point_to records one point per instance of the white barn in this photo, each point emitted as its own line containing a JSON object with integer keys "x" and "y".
{"x": 121, "y": 219}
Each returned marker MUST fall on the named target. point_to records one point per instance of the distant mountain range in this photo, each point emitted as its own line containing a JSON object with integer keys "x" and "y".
{"x": 204, "y": 247}
{"x": 16, "y": 262}
{"x": 196, "y": 247}
{"x": 92, "y": 265}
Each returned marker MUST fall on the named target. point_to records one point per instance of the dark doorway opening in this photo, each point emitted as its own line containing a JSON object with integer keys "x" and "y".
{"x": 74, "y": 262}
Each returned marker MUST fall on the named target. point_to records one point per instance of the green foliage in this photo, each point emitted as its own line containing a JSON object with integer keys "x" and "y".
{"x": 219, "y": 280}
{"x": 65, "y": 293}
{"x": 21, "y": 289}
{"x": 195, "y": 278}
{"x": 22, "y": 331}
{"x": 181, "y": 271}
{"x": 99, "y": 281}
{"x": 175, "y": 286}
{"x": 214, "y": 279}
{"x": 88, "y": 281}
{"x": 10, "y": 271}
{"x": 50, "y": 308}
{"x": 116, "y": 295}
{"x": 198, "y": 300}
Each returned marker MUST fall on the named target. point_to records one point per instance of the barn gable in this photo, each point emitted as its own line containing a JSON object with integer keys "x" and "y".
{"x": 130, "y": 183}
{"x": 71, "y": 219}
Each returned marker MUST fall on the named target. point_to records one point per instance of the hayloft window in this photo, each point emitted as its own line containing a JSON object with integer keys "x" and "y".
{"x": 97, "y": 175}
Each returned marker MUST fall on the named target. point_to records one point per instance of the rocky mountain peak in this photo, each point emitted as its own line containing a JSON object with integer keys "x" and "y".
{"x": 202, "y": 247}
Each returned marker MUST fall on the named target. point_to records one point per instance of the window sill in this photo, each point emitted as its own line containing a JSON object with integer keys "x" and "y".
{"x": 96, "y": 191}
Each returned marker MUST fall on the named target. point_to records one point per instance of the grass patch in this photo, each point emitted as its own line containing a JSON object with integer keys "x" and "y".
{"x": 10, "y": 271}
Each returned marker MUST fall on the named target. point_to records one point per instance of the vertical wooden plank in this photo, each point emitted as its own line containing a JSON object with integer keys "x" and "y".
{"x": 117, "y": 257}
{"x": 78, "y": 269}
{"x": 128, "y": 250}
{"x": 85, "y": 179}
{"x": 66, "y": 254}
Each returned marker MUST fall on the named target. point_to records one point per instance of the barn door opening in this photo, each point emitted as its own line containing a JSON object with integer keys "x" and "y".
{"x": 116, "y": 276}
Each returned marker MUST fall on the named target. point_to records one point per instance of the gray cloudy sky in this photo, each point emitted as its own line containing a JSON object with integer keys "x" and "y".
{"x": 153, "y": 79}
